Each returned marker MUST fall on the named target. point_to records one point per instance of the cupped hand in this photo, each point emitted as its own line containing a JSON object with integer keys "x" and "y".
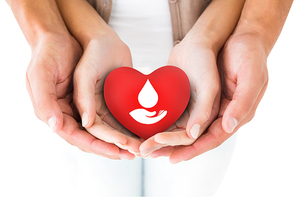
{"x": 101, "y": 56}
{"x": 49, "y": 83}
{"x": 49, "y": 76}
{"x": 199, "y": 63}
{"x": 243, "y": 70}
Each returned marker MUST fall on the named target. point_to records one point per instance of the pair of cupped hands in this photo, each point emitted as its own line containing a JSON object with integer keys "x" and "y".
{"x": 65, "y": 83}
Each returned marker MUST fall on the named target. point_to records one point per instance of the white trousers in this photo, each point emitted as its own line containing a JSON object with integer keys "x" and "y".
{"x": 94, "y": 176}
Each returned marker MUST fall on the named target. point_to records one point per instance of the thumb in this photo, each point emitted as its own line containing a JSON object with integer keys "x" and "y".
{"x": 202, "y": 112}
{"x": 244, "y": 102}
{"x": 42, "y": 91}
{"x": 84, "y": 95}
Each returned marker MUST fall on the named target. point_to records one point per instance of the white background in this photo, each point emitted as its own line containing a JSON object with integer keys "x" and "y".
{"x": 264, "y": 159}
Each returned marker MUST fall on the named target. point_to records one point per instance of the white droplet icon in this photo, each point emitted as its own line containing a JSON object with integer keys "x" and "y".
{"x": 148, "y": 96}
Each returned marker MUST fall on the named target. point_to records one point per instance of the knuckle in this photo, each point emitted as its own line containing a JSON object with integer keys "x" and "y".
{"x": 217, "y": 144}
{"x": 80, "y": 101}
{"x": 206, "y": 114}
{"x": 37, "y": 114}
{"x": 217, "y": 141}
{"x": 250, "y": 116}
{"x": 70, "y": 140}
{"x": 247, "y": 107}
{"x": 263, "y": 77}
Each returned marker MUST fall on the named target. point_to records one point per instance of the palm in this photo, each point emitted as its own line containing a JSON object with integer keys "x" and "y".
{"x": 200, "y": 66}
{"x": 100, "y": 58}
{"x": 200, "y": 81}
{"x": 50, "y": 72}
{"x": 243, "y": 73}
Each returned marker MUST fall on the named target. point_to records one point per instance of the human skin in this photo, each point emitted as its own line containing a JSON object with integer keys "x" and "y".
{"x": 55, "y": 54}
{"x": 244, "y": 77}
{"x": 259, "y": 24}
{"x": 103, "y": 52}
{"x": 101, "y": 45}
{"x": 196, "y": 54}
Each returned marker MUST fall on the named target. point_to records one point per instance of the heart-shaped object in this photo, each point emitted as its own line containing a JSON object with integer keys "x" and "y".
{"x": 147, "y": 104}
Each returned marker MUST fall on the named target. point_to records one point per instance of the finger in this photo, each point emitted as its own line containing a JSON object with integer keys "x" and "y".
{"x": 213, "y": 138}
{"x": 163, "y": 152}
{"x": 42, "y": 90}
{"x": 245, "y": 96}
{"x": 72, "y": 133}
{"x": 250, "y": 116}
{"x": 148, "y": 146}
{"x": 132, "y": 142}
{"x": 203, "y": 113}
{"x": 106, "y": 133}
{"x": 124, "y": 154}
{"x": 173, "y": 138}
{"x": 132, "y": 146}
{"x": 165, "y": 139}
{"x": 84, "y": 92}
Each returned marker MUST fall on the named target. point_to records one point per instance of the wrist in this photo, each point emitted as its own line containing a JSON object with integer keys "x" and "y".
{"x": 96, "y": 35}
{"x": 264, "y": 22}
{"x": 203, "y": 40}
{"x": 258, "y": 32}
{"x": 216, "y": 24}
{"x": 38, "y": 19}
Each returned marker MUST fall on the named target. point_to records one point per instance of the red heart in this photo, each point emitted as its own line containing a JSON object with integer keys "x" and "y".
{"x": 147, "y": 104}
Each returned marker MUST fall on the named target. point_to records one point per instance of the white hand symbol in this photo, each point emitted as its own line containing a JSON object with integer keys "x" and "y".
{"x": 145, "y": 117}
{"x": 147, "y": 98}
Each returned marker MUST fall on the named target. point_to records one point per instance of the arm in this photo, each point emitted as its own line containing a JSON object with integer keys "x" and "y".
{"x": 196, "y": 55}
{"x": 256, "y": 33}
{"x": 84, "y": 23}
{"x": 216, "y": 24}
{"x": 41, "y": 24}
{"x": 55, "y": 54}
{"x": 243, "y": 69}
{"x": 265, "y": 19}
{"x": 37, "y": 19}
{"x": 103, "y": 52}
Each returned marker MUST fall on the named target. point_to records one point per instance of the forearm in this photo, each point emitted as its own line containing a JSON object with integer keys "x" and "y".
{"x": 37, "y": 18}
{"x": 83, "y": 21}
{"x": 216, "y": 24}
{"x": 265, "y": 19}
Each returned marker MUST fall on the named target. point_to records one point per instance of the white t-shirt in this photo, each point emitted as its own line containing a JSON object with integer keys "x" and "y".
{"x": 145, "y": 26}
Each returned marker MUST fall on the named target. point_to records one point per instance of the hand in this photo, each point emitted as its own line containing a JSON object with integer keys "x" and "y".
{"x": 49, "y": 83}
{"x": 49, "y": 76}
{"x": 101, "y": 56}
{"x": 244, "y": 75}
{"x": 199, "y": 63}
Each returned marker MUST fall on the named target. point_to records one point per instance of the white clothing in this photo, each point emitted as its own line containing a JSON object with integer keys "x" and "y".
{"x": 145, "y": 26}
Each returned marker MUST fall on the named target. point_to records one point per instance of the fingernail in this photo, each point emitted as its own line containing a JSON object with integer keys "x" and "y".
{"x": 84, "y": 119}
{"x": 232, "y": 123}
{"x": 195, "y": 130}
{"x": 176, "y": 161}
{"x": 123, "y": 157}
{"x": 154, "y": 156}
{"x": 136, "y": 154}
{"x": 146, "y": 155}
{"x": 52, "y": 122}
{"x": 120, "y": 145}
